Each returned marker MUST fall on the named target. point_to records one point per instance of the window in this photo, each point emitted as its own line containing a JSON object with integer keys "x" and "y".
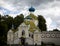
{"x": 23, "y": 32}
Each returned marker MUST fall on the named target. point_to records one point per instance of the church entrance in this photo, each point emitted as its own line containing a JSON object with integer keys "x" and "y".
{"x": 23, "y": 38}
{"x": 22, "y": 41}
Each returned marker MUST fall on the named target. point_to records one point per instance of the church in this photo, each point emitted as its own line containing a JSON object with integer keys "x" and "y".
{"x": 31, "y": 32}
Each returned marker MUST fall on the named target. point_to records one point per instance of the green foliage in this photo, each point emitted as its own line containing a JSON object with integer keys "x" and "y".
{"x": 9, "y": 22}
{"x": 41, "y": 19}
{"x": 14, "y": 30}
{"x": 6, "y": 24}
{"x": 55, "y": 30}
{"x": 42, "y": 23}
{"x": 42, "y": 44}
{"x": 0, "y": 18}
{"x": 18, "y": 20}
{"x": 3, "y": 32}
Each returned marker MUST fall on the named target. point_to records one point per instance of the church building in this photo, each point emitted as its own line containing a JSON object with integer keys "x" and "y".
{"x": 31, "y": 32}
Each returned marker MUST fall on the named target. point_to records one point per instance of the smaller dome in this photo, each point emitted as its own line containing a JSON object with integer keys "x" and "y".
{"x": 31, "y": 9}
{"x": 28, "y": 17}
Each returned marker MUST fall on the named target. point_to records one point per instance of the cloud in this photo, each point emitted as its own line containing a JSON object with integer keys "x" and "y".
{"x": 21, "y": 4}
{"x": 50, "y": 9}
{"x": 6, "y": 5}
{"x": 50, "y": 24}
{"x": 51, "y": 12}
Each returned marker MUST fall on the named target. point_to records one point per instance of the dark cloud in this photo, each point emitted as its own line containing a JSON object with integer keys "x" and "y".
{"x": 57, "y": 0}
{"x": 28, "y": 2}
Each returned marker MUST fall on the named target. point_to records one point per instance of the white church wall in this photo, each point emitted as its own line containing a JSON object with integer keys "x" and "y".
{"x": 17, "y": 41}
{"x": 19, "y": 32}
{"x": 16, "y": 35}
{"x": 26, "y": 31}
{"x": 10, "y": 37}
{"x": 51, "y": 37}
{"x": 47, "y": 37}
{"x": 29, "y": 41}
{"x": 36, "y": 22}
{"x": 21, "y": 28}
{"x": 37, "y": 38}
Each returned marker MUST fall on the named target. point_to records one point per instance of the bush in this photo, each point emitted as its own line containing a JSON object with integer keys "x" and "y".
{"x": 42, "y": 44}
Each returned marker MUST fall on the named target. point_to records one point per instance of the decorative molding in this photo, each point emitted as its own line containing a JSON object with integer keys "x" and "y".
{"x": 49, "y": 34}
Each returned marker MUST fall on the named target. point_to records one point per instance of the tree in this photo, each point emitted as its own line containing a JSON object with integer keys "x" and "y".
{"x": 18, "y": 20}
{"x": 9, "y": 21}
{"x": 5, "y": 25}
{"x": 0, "y": 18}
{"x": 3, "y": 33}
{"x": 55, "y": 30}
{"x": 42, "y": 23}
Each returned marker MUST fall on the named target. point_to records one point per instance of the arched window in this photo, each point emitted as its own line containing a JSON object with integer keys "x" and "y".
{"x": 32, "y": 36}
{"x": 29, "y": 34}
{"x": 23, "y": 32}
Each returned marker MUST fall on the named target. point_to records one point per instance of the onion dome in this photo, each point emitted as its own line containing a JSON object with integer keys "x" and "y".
{"x": 31, "y": 9}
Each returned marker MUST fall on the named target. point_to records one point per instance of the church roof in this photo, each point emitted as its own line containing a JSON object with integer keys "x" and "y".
{"x": 23, "y": 24}
{"x": 28, "y": 17}
{"x": 10, "y": 31}
{"x": 31, "y": 16}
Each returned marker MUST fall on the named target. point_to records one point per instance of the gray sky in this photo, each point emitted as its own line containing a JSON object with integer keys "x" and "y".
{"x": 50, "y": 9}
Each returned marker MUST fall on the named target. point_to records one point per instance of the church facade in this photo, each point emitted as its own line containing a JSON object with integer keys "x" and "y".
{"x": 30, "y": 31}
